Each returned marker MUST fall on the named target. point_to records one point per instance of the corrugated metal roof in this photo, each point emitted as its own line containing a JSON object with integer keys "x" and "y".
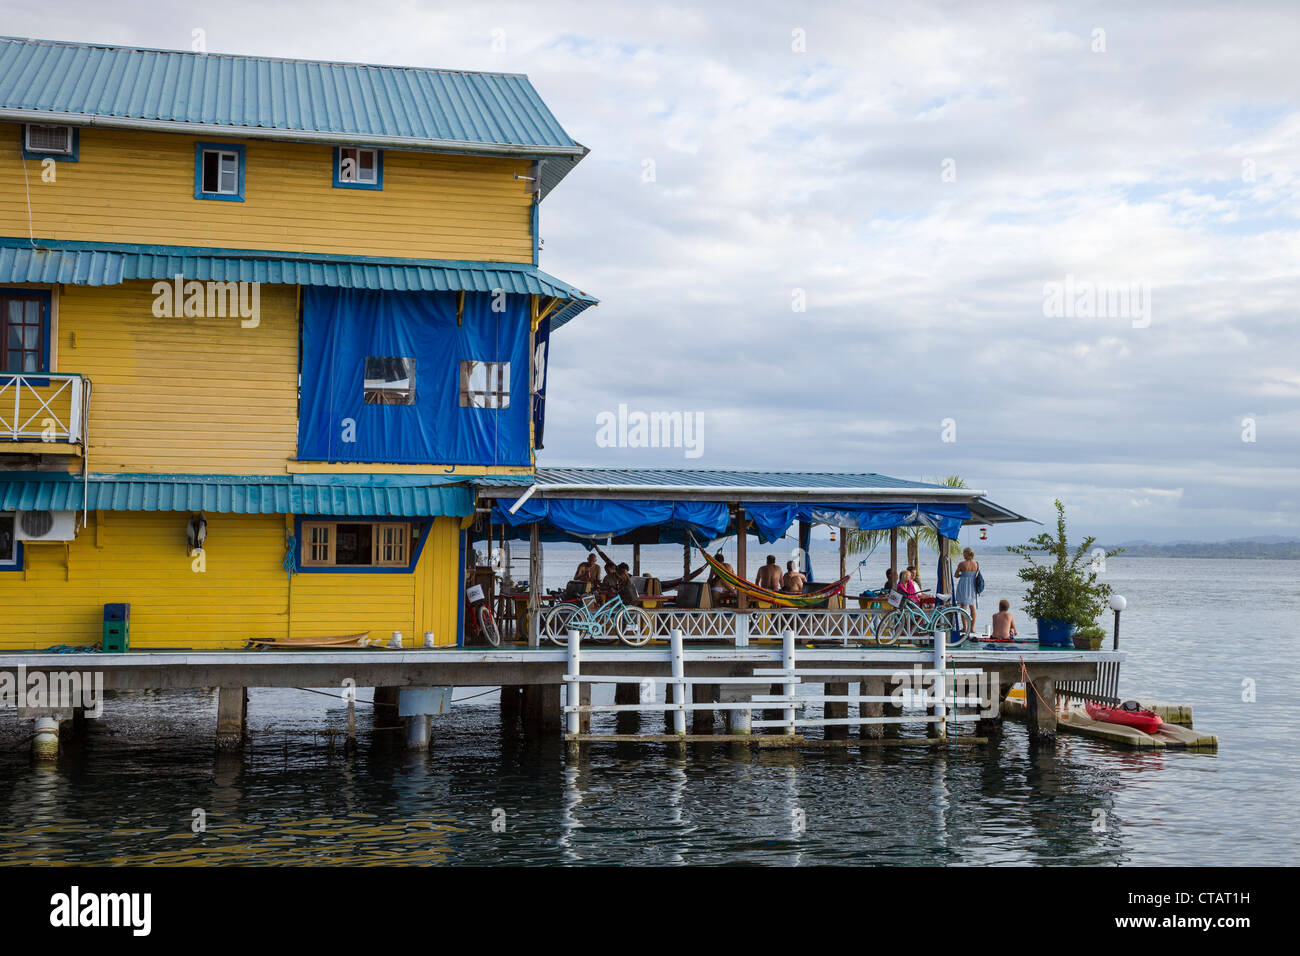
{"x": 395, "y": 106}
{"x": 733, "y": 485}
{"x": 94, "y": 264}
{"x": 715, "y": 478}
{"x": 237, "y": 496}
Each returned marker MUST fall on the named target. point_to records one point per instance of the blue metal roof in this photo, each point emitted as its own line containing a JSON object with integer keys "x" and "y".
{"x": 353, "y": 496}
{"x": 94, "y": 264}
{"x": 726, "y": 478}
{"x": 356, "y": 102}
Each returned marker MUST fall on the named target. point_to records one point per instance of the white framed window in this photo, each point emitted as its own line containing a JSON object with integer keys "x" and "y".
{"x": 358, "y": 167}
{"x": 220, "y": 172}
{"x": 484, "y": 384}
{"x": 389, "y": 380}
{"x": 51, "y": 140}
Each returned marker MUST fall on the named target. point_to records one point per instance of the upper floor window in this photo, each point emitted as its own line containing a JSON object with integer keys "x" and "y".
{"x": 484, "y": 384}
{"x": 358, "y": 168}
{"x": 389, "y": 380}
{"x": 24, "y": 332}
{"x": 11, "y": 551}
{"x": 219, "y": 171}
{"x": 59, "y": 143}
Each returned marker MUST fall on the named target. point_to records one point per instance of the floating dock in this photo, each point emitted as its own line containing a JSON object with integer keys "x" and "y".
{"x": 1177, "y": 732}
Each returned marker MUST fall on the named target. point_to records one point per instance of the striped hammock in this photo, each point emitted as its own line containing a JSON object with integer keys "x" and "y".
{"x": 750, "y": 589}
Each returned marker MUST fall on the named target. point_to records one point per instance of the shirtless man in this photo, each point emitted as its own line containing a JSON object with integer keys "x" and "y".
{"x": 588, "y": 570}
{"x": 1004, "y": 625}
{"x": 769, "y": 575}
{"x": 793, "y": 581}
{"x": 718, "y": 587}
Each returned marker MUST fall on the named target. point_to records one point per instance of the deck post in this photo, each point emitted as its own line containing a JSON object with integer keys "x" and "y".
{"x": 834, "y": 709}
{"x": 512, "y": 704}
{"x": 679, "y": 688}
{"x": 636, "y": 560}
{"x": 386, "y": 707}
{"x": 844, "y": 551}
{"x": 232, "y": 715}
{"x": 702, "y": 720}
{"x": 871, "y": 687}
{"x": 893, "y": 551}
{"x": 534, "y": 583}
{"x": 45, "y": 742}
{"x": 1041, "y": 713}
{"x": 574, "y": 684}
{"x": 940, "y": 707}
{"x": 738, "y": 721}
{"x": 742, "y": 600}
{"x": 789, "y": 690}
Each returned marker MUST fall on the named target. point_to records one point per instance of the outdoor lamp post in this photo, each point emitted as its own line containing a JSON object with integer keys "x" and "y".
{"x": 1117, "y": 604}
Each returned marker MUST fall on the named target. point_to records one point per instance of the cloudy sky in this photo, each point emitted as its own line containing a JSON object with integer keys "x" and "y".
{"x": 918, "y": 176}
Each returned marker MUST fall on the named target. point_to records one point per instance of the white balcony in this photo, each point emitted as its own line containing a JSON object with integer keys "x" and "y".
{"x": 43, "y": 413}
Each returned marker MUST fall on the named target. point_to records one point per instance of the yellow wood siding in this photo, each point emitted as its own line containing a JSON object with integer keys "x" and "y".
{"x": 134, "y": 187}
{"x": 140, "y": 558}
{"x": 183, "y": 395}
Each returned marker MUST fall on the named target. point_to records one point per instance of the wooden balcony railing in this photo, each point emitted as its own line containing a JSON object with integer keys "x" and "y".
{"x": 44, "y": 407}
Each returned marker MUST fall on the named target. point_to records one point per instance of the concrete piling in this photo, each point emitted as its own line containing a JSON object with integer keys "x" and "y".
{"x": 1040, "y": 703}
{"x": 45, "y": 742}
{"x": 232, "y": 717}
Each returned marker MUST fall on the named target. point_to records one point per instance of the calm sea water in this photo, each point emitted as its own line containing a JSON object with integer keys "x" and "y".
{"x": 1216, "y": 633}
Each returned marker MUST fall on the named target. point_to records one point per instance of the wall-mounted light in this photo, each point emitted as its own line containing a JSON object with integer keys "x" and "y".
{"x": 196, "y": 532}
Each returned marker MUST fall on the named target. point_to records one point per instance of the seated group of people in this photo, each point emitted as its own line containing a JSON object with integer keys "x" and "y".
{"x": 616, "y": 580}
{"x": 769, "y": 577}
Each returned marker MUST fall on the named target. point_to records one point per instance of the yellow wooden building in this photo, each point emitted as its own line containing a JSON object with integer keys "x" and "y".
{"x": 262, "y": 325}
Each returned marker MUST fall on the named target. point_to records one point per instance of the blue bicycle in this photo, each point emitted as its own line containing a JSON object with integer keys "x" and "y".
{"x": 612, "y": 620}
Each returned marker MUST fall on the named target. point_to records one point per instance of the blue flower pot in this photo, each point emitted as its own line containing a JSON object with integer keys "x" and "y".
{"x": 1054, "y": 632}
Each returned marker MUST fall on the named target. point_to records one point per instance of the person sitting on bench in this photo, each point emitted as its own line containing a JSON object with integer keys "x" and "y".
{"x": 793, "y": 581}
{"x": 769, "y": 575}
{"x": 588, "y": 570}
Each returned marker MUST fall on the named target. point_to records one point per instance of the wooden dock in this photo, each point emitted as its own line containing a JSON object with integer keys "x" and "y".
{"x": 1171, "y": 736}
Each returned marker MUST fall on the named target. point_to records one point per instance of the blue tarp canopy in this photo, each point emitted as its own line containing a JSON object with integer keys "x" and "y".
{"x": 772, "y": 520}
{"x": 609, "y": 517}
{"x": 601, "y": 518}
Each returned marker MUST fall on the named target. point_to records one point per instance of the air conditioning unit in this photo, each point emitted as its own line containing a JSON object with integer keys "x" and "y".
{"x": 45, "y": 525}
{"x": 54, "y": 140}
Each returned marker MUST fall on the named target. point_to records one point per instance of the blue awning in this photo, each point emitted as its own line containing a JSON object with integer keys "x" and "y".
{"x": 337, "y": 495}
{"x": 772, "y": 520}
{"x": 99, "y": 264}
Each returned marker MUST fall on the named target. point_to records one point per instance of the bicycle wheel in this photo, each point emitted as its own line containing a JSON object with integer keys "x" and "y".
{"x": 557, "y": 622}
{"x": 634, "y": 626}
{"x": 487, "y": 626}
{"x": 952, "y": 618}
{"x": 892, "y": 626}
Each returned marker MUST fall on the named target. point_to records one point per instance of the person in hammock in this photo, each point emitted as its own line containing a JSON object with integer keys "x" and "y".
{"x": 719, "y": 589}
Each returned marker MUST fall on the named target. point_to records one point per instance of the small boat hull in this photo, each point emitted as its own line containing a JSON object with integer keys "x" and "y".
{"x": 1144, "y": 720}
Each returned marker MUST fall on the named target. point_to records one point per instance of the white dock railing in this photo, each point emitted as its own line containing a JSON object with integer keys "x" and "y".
{"x": 941, "y": 699}
{"x": 46, "y": 407}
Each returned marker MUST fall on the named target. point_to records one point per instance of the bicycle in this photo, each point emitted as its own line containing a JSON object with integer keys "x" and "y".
{"x": 910, "y": 619}
{"x": 479, "y": 616}
{"x": 631, "y": 625}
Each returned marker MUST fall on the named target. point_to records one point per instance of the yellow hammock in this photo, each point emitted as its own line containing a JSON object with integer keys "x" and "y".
{"x": 751, "y": 589}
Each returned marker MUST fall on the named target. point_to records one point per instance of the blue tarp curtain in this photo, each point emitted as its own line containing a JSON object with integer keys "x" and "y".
{"x": 341, "y": 327}
{"x": 611, "y": 517}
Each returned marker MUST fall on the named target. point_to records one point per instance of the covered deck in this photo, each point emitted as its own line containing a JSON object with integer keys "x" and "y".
{"x": 620, "y": 507}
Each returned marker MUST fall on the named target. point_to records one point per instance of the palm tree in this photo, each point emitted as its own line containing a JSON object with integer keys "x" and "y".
{"x": 913, "y": 537}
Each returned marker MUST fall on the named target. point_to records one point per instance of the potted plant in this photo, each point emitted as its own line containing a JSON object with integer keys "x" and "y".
{"x": 1063, "y": 591}
{"x": 1089, "y": 638}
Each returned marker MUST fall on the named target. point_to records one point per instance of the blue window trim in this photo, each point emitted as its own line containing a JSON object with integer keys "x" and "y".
{"x": 199, "y": 149}
{"x": 17, "y": 564}
{"x": 57, "y": 157}
{"x": 423, "y": 526}
{"x": 45, "y": 330}
{"x": 379, "y": 170}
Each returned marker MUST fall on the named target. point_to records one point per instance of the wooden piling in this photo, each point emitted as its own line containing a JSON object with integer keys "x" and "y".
{"x": 702, "y": 720}
{"x": 871, "y": 687}
{"x": 232, "y": 717}
{"x": 1041, "y": 712}
{"x": 834, "y": 709}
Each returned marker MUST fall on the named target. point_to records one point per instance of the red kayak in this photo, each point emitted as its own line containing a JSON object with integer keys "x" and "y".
{"x": 1129, "y": 713}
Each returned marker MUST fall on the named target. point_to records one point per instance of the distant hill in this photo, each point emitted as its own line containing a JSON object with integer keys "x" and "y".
{"x": 1270, "y": 546}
